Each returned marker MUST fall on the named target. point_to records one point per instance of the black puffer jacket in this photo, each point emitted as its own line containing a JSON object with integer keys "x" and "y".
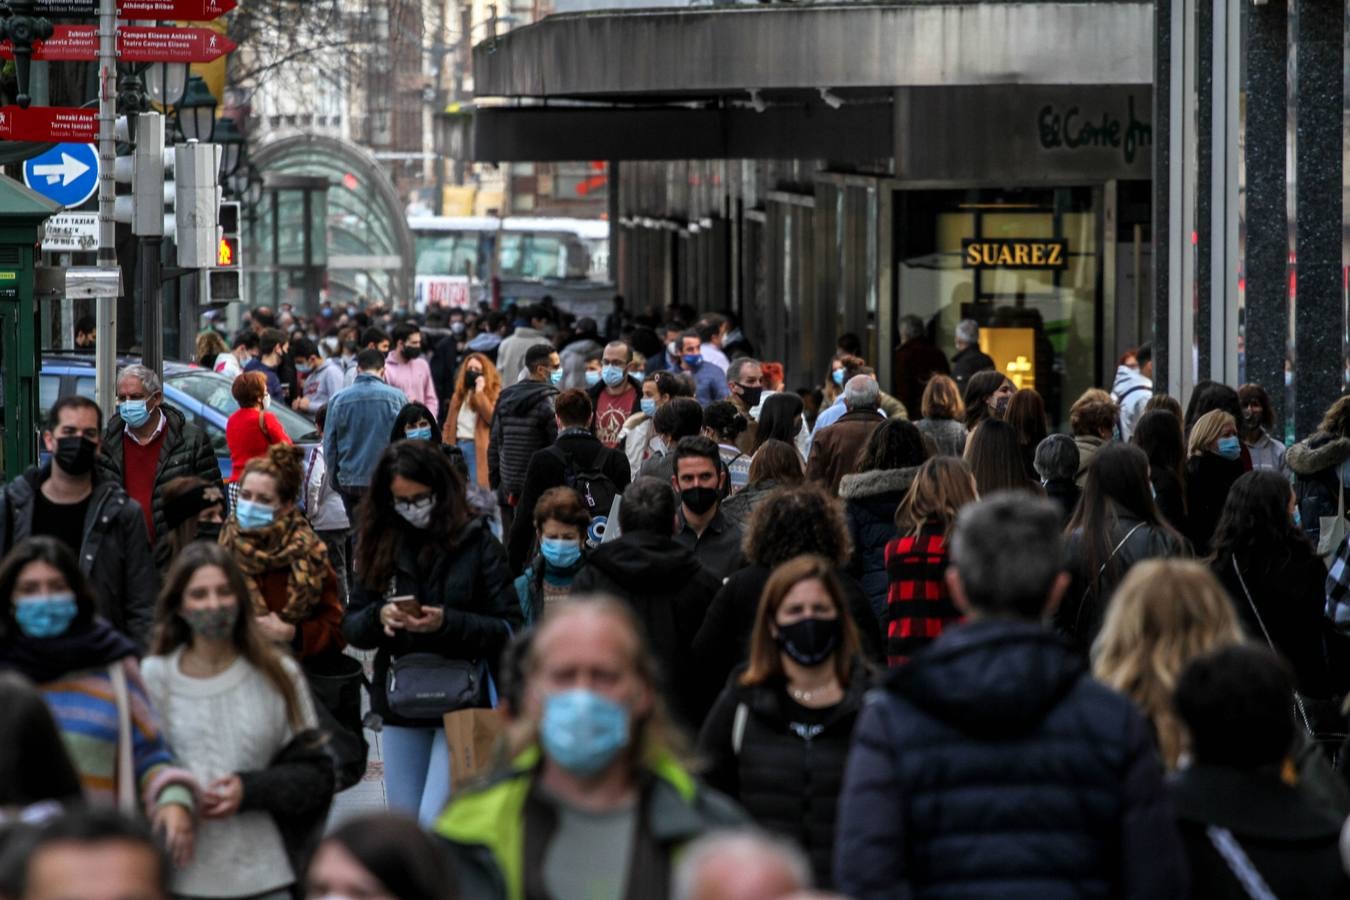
{"x": 668, "y": 590}
{"x": 1315, "y": 464}
{"x": 469, "y": 580}
{"x": 115, "y": 553}
{"x": 523, "y": 423}
{"x": 783, "y": 764}
{"x": 1080, "y": 613}
{"x": 1209, "y": 478}
{"x": 994, "y": 765}
{"x": 870, "y": 500}
{"x": 186, "y": 451}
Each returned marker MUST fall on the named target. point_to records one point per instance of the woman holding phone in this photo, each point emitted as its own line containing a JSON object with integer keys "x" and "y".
{"x": 434, "y": 598}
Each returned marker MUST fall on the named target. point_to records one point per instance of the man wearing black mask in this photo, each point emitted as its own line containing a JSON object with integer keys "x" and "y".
{"x": 699, "y": 480}
{"x": 745, "y": 387}
{"x": 94, "y": 516}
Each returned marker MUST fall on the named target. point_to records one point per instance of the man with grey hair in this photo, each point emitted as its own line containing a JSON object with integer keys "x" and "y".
{"x": 745, "y": 389}
{"x": 147, "y": 444}
{"x": 969, "y": 358}
{"x": 915, "y": 361}
{"x": 1056, "y": 461}
{"x": 740, "y": 865}
{"x": 835, "y": 451}
{"x": 997, "y": 737}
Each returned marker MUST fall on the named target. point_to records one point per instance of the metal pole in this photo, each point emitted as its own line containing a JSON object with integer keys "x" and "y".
{"x": 148, "y": 225}
{"x": 105, "y": 359}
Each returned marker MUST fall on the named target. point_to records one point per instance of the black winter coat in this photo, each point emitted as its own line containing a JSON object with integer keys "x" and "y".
{"x": 723, "y": 642}
{"x": 186, "y": 451}
{"x": 788, "y": 771}
{"x": 1170, "y": 497}
{"x": 1065, "y": 493}
{"x": 1315, "y": 464}
{"x": 469, "y": 580}
{"x": 668, "y": 590}
{"x": 870, "y": 501}
{"x": 114, "y": 555}
{"x": 523, "y": 423}
{"x": 968, "y": 362}
{"x": 1209, "y": 477}
{"x": 1291, "y": 842}
{"x": 296, "y": 790}
{"x": 994, "y": 765}
{"x": 548, "y": 469}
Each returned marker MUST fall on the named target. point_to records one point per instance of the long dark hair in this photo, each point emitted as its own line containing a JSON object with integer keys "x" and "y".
{"x": 399, "y": 855}
{"x": 34, "y": 765}
{"x": 895, "y": 444}
{"x": 1117, "y": 482}
{"x": 56, "y": 554}
{"x": 980, "y": 387}
{"x": 1255, "y": 526}
{"x": 1208, "y": 396}
{"x": 777, "y": 417}
{"x": 410, "y": 413}
{"x": 382, "y": 530}
{"x": 1158, "y": 434}
{"x": 995, "y": 459}
{"x": 172, "y": 630}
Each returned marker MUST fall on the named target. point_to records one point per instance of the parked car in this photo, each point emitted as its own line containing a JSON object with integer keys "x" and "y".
{"x": 202, "y": 397}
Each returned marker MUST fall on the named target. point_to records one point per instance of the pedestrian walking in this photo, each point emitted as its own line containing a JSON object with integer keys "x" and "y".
{"x": 596, "y": 800}
{"x": 231, "y": 703}
{"x": 415, "y": 422}
{"x": 1158, "y": 433}
{"x": 434, "y": 599}
{"x": 468, "y": 422}
{"x": 723, "y": 424}
{"x": 919, "y": 604}
{"x": 529, "y": 332}
{"x": 1026, "y": 415}
{"x": 710, "y": 381}
{"x": 251, "y": 429}
{"x": 995, "y": 459}
{"x": 268, "y": 363}
{"x": 1213, "y": 464}
{"x": 916, "y": 361}
{"x": 405, "y": 369}
{"x": 836, "y": 448}
{"x": 326, "y": 512}
{"x": 1132, "y": 388}
{"x": 524, "y": 422}
{"x": 701, "y": 480}
{"x": 1093, "y": 418}
{"x": 987, "y": 395}
{"x": 561, "y": 522}
{"x": 323, "y": 377}
{"x": 776, "y": 464}
{"x": 193, "y": 511}
{"x": 1056, "y": 464}
{"x": 943, "y": 416}
{"x": 380, "y": 856}
{"x": 678, "y": 419}
{"x": 745, "y": 391}
{"x": 357, "y": 428}
{"x": 777, "y": 738}
{"x": 969, "y": 360}
{"x": 995, "y": 727}
{"x": 1258, "y": 418}
{"x": 781, "y": 418}
{"x": 1320, "y": 473}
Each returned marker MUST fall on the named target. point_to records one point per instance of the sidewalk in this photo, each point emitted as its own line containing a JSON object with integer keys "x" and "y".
{"x": 368, "y": 796}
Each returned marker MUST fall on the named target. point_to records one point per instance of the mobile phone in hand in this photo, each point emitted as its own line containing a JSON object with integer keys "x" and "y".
{"x": 408, "y": 606}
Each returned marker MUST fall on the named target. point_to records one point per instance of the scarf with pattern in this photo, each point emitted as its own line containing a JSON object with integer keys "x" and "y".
{"x": 288, "y": 543}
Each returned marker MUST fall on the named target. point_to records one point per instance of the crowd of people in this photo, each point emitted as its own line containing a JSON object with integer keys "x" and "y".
{"x": 724, "y": 640}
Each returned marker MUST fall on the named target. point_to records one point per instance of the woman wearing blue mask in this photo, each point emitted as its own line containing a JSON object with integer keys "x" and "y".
{"x": 1213, "y": 463}
{"x": 292, "y": 586}
{"x": 433, "y": 598}
{"x": 51, "y": 634}
{"x": 415, "y": 423}
{"x": 560, "y": 523}
{"x": 638, "y": 435}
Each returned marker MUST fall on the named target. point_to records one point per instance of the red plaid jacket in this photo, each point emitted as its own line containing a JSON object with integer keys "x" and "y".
{"x": 918, "y": 606}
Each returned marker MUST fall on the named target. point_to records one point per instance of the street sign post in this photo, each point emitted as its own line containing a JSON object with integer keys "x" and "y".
{"x": 67, "y": 173}
{"x": 70, "y": 232}
{"x": 135, "y": 44}
{"x": 180, "y": 10}
{"x": 48, "y": 124}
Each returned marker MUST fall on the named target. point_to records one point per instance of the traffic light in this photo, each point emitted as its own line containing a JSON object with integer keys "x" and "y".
{"x": 225, "y": 282}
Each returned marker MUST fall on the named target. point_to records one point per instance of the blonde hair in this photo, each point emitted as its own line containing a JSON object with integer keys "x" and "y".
{"x": 1164, "y": 614}
{"x": 1208, "y": 429}
{"x": 941, "y": 487}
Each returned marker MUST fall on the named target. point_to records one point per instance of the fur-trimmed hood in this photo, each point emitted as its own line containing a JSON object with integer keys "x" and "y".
{"x": 876, "y": 483}
{"x": 1318, "y": 453}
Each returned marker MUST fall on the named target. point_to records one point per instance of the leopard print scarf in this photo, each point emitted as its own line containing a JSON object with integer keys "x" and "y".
{"x": 288, "y": 543}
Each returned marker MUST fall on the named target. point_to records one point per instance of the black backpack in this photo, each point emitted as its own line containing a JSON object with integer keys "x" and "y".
{"x": 597, "y": 489}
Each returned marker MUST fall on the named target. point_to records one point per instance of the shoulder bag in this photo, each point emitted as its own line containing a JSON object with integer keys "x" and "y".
{"x": 1298, "y": 698}
{"x": 428, "y": 685}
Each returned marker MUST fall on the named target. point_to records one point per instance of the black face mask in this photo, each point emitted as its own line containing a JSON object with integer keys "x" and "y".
{"x": 750, "y": 396}
{"x": 410, "y": 352}
{"x": 699, "y": 499}
{"x": 75, "y": 454}
{"x": 208, "y": 531}
{"x": 810, "y": 641}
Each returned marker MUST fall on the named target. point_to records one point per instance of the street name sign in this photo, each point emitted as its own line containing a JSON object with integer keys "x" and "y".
{"x": 181, "y": 10}
{"x": 70, "y": 232}
{"x": 48, "y": 124}
{"x": 135, "y": 44}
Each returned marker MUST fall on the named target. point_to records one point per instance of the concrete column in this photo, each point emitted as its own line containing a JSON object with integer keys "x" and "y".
{"x": 1162, "y": 136}
{"x": 1267, "y": 319}
{"x": 1318, "y": 315}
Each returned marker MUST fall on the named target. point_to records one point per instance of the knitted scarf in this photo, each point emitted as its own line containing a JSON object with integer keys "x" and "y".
{"x": 288, "y": 543}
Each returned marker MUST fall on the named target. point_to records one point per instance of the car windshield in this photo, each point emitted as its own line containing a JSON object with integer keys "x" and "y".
{"x": 213, "y": 390}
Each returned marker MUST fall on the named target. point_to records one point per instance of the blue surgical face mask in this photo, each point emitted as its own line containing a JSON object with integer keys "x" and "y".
{"x": 1229, "y": 448}
{"x": 612, "y": 375}
{"x": 693, "y": 360}
{"x": 837, "y": 376}
{"x": 419, "y": 434}
{"x": 592, "y": 378}
{"x": 560, "y": 553}
{"x": 252, "y": 515}
{"x": 555, "y": 376}
{"x": 583, "y": 731}
{"x": 45, "y": 615}
{"x": 648, "y": 405}
{"x": 134, "y": 412}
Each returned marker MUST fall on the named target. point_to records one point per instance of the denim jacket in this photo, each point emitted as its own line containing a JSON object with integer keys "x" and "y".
{"x": 357, "y": 430}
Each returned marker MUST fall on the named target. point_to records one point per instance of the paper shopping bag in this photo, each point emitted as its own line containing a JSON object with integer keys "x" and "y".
{"x": 471, "y": 736}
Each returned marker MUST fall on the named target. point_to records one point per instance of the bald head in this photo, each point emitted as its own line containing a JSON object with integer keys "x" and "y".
{"x": 740, "y": 865}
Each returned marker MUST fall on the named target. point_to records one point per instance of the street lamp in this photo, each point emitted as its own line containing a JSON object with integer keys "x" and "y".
{"x": 197, "y": 111}
{"x": 165, "y": 82}
{"x": 231, "y": 140}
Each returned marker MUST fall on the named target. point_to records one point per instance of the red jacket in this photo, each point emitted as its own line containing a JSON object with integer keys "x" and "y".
{"x": 245, "y": 438}
{"x": 918, "y": 605}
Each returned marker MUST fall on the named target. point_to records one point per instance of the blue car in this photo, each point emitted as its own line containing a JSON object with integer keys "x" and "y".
{"x": 203, "y": 397}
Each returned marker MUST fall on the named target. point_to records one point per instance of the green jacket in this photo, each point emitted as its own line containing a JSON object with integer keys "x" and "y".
{"x": 498, "y": 834}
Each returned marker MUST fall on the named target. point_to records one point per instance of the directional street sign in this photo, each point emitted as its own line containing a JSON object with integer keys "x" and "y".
{"x": 67, "y": 173}
{"x": 49, "y": 124}
{"x": 181, "y": 10}
{"x": 71, "y": 232}
{"x": 135, "y": 44}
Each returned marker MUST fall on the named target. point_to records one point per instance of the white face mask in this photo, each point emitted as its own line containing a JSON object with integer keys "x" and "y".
{"x": 416, "y": 513}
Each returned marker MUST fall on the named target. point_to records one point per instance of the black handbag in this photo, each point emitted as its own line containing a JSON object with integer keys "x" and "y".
{"x": 428, "y": 685}
{"x": 335, "y": 682}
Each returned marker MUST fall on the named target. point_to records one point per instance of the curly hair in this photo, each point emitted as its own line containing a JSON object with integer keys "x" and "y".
{"x": 793, "y": 521}
{"x": 282, "y": 463}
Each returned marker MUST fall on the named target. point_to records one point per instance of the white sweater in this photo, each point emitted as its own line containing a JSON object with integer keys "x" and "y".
{"x": 217, "y": 726}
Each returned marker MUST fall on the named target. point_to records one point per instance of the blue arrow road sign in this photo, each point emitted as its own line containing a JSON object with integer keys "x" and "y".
{"x": 67, "y": 173}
